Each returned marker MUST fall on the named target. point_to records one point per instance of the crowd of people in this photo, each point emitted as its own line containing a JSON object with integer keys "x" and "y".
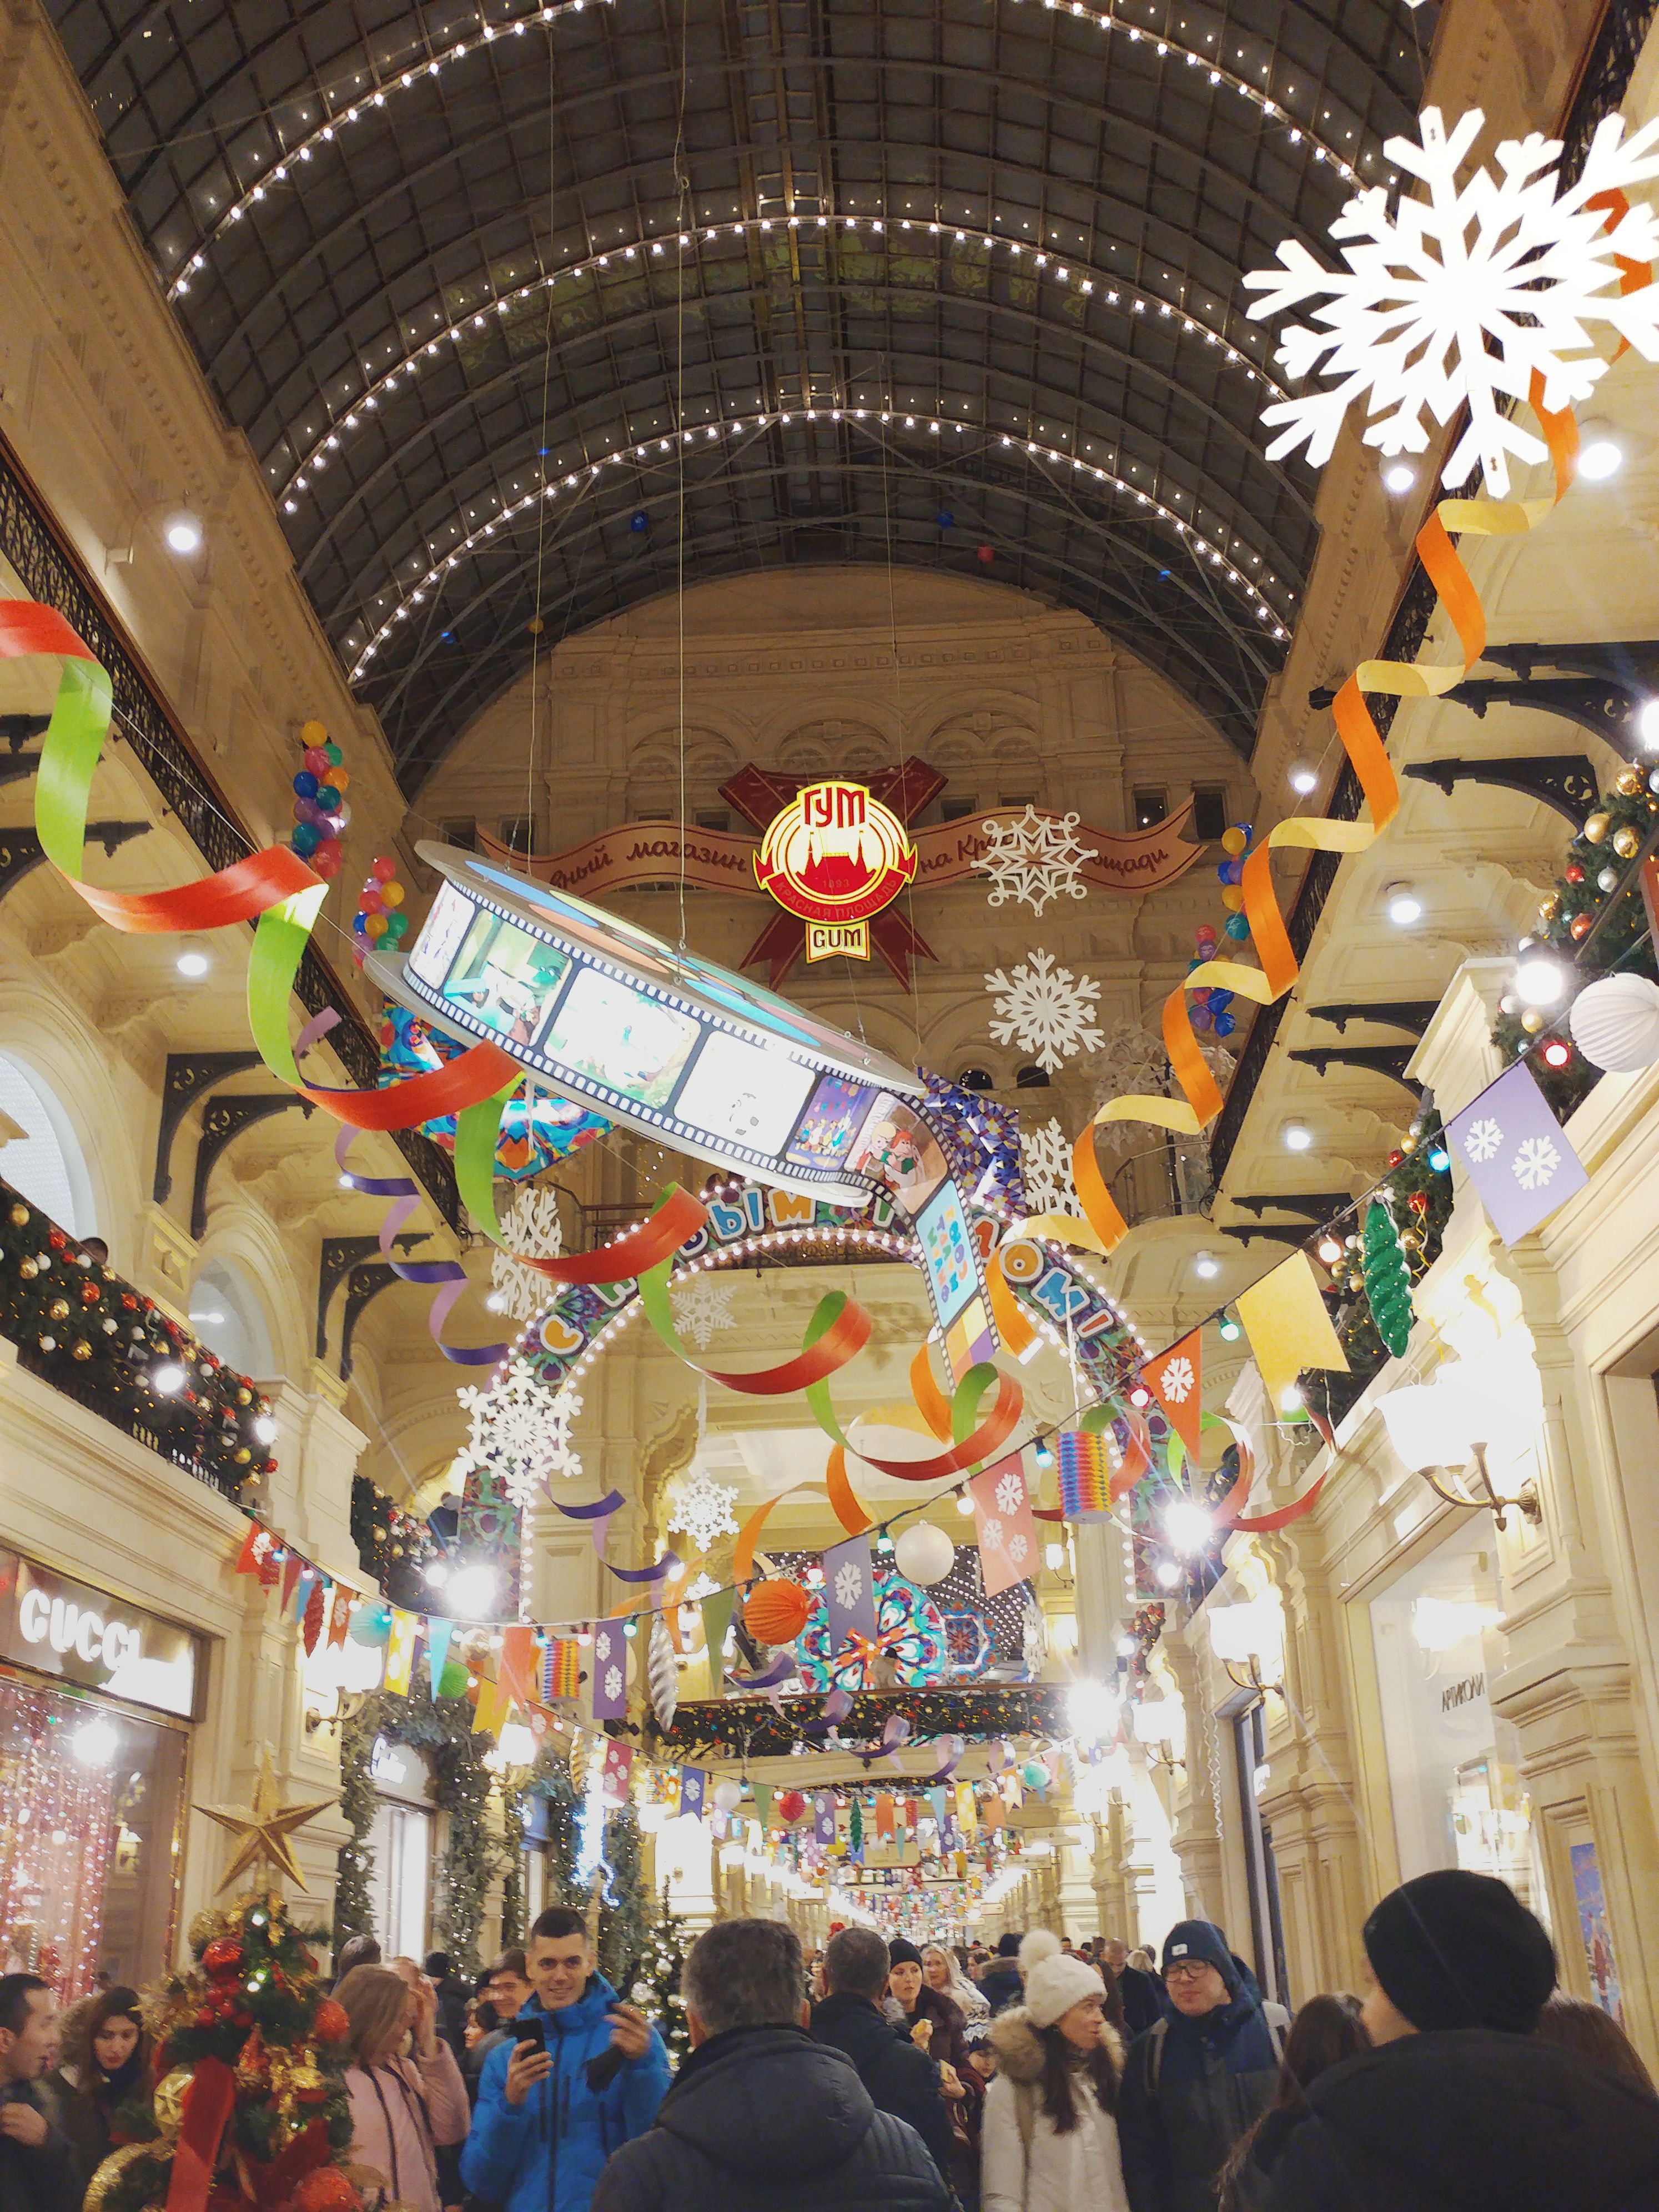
{"x": 1042, "y": 2077}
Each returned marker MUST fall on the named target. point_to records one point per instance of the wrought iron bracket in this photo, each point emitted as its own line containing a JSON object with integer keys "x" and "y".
{"x": 188, "y": 1076}
{"x": 22, "y": 852}
{"x": 16, "y": 730}
{"x": 1390, "y": 1060}
{"x": 1316, "y": 1204}
{"x": 363, "y": 1286}
{"x": 1606, "y": 710}
{"x": 1280, "y": 1232}
{"x": 1565, "y": 781}
{"x": 1631, "y": 663}
{"x": 223, "y": 1122}
{"x": 338, "y": 1256}
{"x": 17, "y": 768}
{"x": 1412, "y": 1014}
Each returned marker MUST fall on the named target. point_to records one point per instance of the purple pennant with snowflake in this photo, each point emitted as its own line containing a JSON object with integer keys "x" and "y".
{"x": 609, "y": 1671}
{"x": 1516, "y": 1153}
{"x": 850, "y": 1591}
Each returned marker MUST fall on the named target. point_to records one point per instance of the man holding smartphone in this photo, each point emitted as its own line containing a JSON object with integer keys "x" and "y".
{"x": 580, "y": 2075}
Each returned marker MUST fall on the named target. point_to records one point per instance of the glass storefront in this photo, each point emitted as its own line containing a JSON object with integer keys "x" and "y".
{"x": 1454, "y": 1766}
{"x": 400, "y": 1838}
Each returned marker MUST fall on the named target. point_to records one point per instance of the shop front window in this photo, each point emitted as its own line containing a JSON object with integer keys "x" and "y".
{"x": 90, "y": 1803}
{"x": 1454, "y": 1766}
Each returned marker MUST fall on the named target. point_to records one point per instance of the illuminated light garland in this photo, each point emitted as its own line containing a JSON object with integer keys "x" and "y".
{"x": 1048, "y": 267}
{"x": 857, "y": 418}
{"x": 437, "y": 58}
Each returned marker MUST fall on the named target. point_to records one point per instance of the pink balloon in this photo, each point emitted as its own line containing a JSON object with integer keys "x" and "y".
{"x": 317, "y": 760}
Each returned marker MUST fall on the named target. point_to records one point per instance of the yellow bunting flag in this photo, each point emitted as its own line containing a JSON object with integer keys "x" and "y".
{"x": 1285, "y": 1319}
{"x": 400, "y": 1652}
{"x": 493, "y": 1707}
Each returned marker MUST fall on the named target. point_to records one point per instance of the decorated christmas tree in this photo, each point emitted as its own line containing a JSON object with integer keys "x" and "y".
{"x": 251, "y": 2053}
{"x": 663, "y": 1963}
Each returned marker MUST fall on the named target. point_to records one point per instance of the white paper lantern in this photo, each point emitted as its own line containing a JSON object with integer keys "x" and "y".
{"x": 1615, "y": 1024}
{"x": 924, "y": 1554}
{"x": 728, "y": 1795}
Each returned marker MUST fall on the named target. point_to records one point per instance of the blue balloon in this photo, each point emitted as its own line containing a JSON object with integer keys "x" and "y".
{"x": 305, "y": 785}
{"x": 640, "y": 520}
{"x": 1220, "y": 1000}
{"x": 359, "y": 924}
{"x": 944, "y": 518}
{"x": 1230, "y": 871}
{"x": 1224, "y": 1024}
{"x": 306, "y": 838}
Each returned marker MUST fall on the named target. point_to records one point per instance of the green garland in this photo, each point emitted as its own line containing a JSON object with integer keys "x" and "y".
{"x": 738, "y": 1727}
{"x": 624, "y": 1917}
{"x": 445, "y": 1729}
{"x": 551, "y": 1782}
{"x": 665, "y": 1963}
{"x": 512, "y": 1825}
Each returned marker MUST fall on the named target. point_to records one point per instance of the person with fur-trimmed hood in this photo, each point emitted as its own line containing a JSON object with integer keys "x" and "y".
{"x": 1050, "y": 2127}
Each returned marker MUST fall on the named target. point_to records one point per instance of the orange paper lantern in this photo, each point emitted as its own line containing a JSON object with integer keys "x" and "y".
{"x": 776, "y": 1612}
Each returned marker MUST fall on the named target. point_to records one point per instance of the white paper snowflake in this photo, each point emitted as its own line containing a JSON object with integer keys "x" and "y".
{"x": 1176, "y": 1381}
{"x": 1034, "y": 858}
{"x": 1045, "y": 1009}
{"x": 613, "y": 1682}
{"x": 1017, "y": 1548}
{"x": 1481, "y": 1141}
{"x": 703, "y": 1307}
{"x": 1011, "y": 1493}
{"x": 1045, "y": 1160}
{"x": 703, "y": 1510}
{"x": 990, "y": 1533}
{"x": 849, "y": 1584}
{"x": 532, "y": 1227}
{"x": 1534, "y": 1163}
{"x": 520, "y": 1430}
{"x": 1461, "y": 296}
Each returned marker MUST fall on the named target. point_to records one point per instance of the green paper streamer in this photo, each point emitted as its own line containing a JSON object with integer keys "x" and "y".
{"x": 716, "y": 1619}
{"x": 74, "y": 740}
{"x": 280, "y": 938}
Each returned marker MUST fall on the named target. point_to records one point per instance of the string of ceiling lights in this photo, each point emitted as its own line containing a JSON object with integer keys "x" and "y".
{"x": 1078, "y": 280}
{"x": 870, "y": 422}
{"x": 363, "y": 106}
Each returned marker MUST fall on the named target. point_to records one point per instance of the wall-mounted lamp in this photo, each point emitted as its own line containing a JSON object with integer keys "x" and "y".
{"x": 1159, "y": 1724}
{"x": 1242, "y": 1636}
{"x": 1443, "y": 1428}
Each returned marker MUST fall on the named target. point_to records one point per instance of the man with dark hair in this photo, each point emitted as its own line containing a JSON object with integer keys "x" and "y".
{"x": 760, "y": 2114}
{"x": 355, "y": 1950}
{"x": 37, "y": 2172}
{"x": 1000, "y": 1984}
{"x": 555, "y": 2103}
{"x": 452, "y": 1994}
{"x": 506, "y": 1986}
{"x": 901, "y": 2079}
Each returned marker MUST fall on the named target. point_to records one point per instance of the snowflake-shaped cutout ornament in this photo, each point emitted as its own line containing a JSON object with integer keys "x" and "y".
{"x": 1535, "y": 1163}
{"x": 1463, "y": 297}
{"x": 1017, "y": 1548}
{"x": 1046, "y": 1010}
{"x": 1034, "y": 858}
{"x": 1481, "y": 1141}
{"x": 703, "y": 1307}
{"x": 520, "y": 1430}
{"x": 1045, "y": 1161}
{"x": 531, "y": 1227}
{"x": 990, "y": 1533}
{"x": 849, "y": 1584}
{"x": 703, "y": 1510}
{"x": 613, "y": 1682}
{"x": 1011, "y": 1493}
{"x": 1176, "y": 1381}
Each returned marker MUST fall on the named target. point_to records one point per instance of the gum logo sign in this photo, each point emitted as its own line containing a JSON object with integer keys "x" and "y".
{"x": 835, "y": 856}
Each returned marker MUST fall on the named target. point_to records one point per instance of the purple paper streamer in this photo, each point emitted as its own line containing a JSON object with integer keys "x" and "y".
{"x": 318, "y": 1026}
{"x": 666, "y": 1564}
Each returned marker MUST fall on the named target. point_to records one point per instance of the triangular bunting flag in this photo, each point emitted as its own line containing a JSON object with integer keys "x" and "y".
{"x": 716, "y": 1619}
{"x": 340, "y": 1617}
{"x": 518, "y": 1663}
{"x": 400, "y": 1652}
{"x": 1285, "y": 1319}
{"x": 438, "y": 1633}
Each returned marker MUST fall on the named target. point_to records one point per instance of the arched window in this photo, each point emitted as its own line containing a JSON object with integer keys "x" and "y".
{"x": 975, "y": 1079}
{"x": 226, "y": 1314}
{"x": 1031, "y": 1078}
{"x": 39, "y": 1152}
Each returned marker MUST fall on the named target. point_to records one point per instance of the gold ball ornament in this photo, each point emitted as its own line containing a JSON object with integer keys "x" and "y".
{"x": 1626, "y": 843}
{"x": 1549, "y": 908}
{"x": 1596, "y": 828}
{"x": 1532, "y": 1021}
{"x": 19, "y": 1217}
{"x": 28, "y": 1270}
{"x": 58, "y": 1310}
{"x": 169, "y": 2099}
{"x": 80, "y": 1349}
{"x": 1627, "y": 783}
{"x": 209, "y": 1923}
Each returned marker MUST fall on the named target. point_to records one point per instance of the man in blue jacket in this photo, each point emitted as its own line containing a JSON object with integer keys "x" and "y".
{"x": 542, "y": 2132}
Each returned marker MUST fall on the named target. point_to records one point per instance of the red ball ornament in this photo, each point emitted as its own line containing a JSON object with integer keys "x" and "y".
{"x": 791, "y": 1805}
{"x": 57, "y": 1240}
{"x": 1418, "y": 1201}
{"x": 1575, "y": 872}
{"x": 223, "y": 1958}
{"x": 1394, "y": 1158}
{"x": 325, "y": 2190}
{"x": 985, "y": 553}
{"x": 1580, "y": 925}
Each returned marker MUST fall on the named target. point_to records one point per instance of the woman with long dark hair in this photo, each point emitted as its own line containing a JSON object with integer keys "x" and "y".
{"x": 1050, "y": 2127}
{"x": 1326, "y": 2031}
{"x": 105, "y": 2045}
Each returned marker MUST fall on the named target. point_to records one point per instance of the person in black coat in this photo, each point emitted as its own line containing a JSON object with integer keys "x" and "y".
{"x": 761, "y": 2118}
{"x": 1000, "y": 1984}
{"x": 1141, "y": 1993}
{"x": 900, "y": 2078}
{"x": 37, "y": 2169}
{"x": 1460, "y": 2107}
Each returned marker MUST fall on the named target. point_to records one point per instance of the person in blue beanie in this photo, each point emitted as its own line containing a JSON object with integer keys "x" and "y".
{"x": 1197, "y": 2079}
{"x": 542, "y": 2128}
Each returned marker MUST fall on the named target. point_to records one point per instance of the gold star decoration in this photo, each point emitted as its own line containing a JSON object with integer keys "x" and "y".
{"x": 262, "y": 1834}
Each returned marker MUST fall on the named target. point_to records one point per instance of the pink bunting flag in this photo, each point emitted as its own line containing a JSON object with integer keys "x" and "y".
{"x": 1007, "y": 1534}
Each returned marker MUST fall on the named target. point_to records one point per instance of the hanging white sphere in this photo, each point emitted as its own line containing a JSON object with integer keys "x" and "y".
{"x": 924, "y": 1553}
{"x": 728, "y": 1795}
{"x": 1615, "y": 1024}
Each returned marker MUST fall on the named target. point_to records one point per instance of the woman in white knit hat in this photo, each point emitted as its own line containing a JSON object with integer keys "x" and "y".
{"x": 1050, "y": 2133}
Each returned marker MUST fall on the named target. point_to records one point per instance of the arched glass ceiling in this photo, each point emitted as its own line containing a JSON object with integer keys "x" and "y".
{"x": 530, "y": 311}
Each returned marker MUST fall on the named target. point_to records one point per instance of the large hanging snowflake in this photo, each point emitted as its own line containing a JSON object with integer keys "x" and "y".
{"x": 1045, "y": 1009}
{"x": 522, "y": 1430}
{"x": 702, "y": 1510}
{"x": 1034, "y": 858}
{"x": 703, "y": 1307}
{"x": 1463, "y": 296}
{"x": 1045, "y": 1160}
{"x": 532, "y": 1227}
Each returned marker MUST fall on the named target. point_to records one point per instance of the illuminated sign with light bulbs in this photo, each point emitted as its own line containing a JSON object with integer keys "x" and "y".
{"x": 835, "y": 856}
